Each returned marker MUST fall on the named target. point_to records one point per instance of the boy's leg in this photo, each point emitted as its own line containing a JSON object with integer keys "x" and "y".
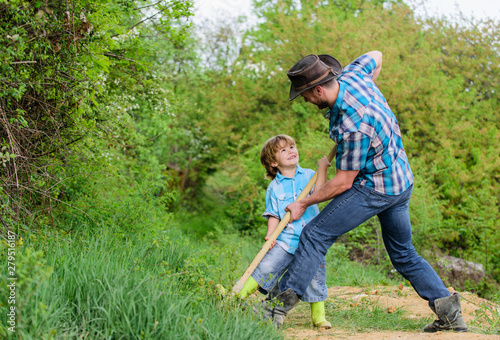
{"x": 318, "y": 315}
{"x": 271, "y": 267}
{"x": 316, "y": 294}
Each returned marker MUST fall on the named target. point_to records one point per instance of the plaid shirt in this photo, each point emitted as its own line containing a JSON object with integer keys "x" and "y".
{"x": 367, "y": 132}
{"x": 281, "y": 192}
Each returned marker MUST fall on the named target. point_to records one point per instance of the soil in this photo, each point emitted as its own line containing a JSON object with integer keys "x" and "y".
{"x": 477, "y": 313}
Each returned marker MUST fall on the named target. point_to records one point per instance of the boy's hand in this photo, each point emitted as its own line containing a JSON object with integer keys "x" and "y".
{"x": 296, "y": 210}
{"x": 272, "y": 243}
{"x": 324, "y": 162}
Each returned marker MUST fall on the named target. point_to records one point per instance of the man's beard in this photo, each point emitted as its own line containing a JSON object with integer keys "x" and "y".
{"x": 322, "y": 105}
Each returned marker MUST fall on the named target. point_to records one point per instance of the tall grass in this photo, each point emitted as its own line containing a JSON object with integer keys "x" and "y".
{"x": 98, "y": 286}
{"x": 342, "y": 272}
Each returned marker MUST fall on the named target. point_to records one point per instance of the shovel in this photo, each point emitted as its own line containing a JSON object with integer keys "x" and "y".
{"x": 265, "y": 248}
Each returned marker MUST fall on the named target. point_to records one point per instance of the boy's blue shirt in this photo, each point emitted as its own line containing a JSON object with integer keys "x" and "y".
{"x": 281, "y": 192}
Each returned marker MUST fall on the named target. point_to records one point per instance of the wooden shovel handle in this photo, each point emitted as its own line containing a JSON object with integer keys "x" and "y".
{"x": 265, "y": 248}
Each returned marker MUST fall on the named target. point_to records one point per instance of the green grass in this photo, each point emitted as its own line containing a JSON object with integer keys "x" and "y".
{"x": 99, "y": 286}
{"x": 487, "y": 318}
{"x": 342, "y": 272}
{"x": 364, "y": 318}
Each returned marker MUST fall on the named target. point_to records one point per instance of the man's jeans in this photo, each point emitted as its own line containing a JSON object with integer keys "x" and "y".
{"x": 344, "y": 213}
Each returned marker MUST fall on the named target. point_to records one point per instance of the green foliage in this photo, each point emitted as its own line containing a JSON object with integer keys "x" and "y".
{"x": 31, "y": 271}
{"x": 343, "y": 272}
{"x": 65, "y": 69}
{"x": 489, "y": 315}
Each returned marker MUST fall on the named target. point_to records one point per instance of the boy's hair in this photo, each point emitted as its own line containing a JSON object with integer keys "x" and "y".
{"x": 269, "y": 150}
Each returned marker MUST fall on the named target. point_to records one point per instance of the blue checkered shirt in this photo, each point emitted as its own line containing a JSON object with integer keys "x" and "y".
{"x": 367, "y": 132}
{"x": 281, "y": 192}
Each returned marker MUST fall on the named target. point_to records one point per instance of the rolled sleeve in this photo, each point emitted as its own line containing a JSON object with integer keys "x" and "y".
{"x": 364, "y": 64}
{"x": 272, "y": 207}
{"x": 352, "y": 151}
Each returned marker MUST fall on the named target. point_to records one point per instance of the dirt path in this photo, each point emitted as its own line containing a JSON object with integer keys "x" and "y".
{"x": 477, "y": 313}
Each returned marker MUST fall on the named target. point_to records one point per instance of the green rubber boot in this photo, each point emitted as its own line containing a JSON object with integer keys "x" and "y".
{"x": 249, "y": 287}
{"x": 318, "y": 315}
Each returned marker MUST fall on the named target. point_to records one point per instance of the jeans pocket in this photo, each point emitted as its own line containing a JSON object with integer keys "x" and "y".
{"x": 378, "y": 200}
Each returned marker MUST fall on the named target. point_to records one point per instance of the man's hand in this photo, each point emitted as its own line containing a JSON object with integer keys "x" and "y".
{"x": 296, "y": 210}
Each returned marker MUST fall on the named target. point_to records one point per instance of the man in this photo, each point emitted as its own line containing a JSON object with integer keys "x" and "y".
{"x": 373, "y": 178}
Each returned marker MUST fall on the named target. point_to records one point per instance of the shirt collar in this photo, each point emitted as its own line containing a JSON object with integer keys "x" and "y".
{"x": 280, "y": 177}
{"x": 334, "y": 111}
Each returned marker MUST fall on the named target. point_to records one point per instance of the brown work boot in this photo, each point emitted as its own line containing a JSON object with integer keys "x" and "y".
{"x": 449, "y": 314}
{"x": 277, "y": 308}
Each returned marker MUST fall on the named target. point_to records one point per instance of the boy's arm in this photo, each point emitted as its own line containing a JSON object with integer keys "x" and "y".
{"x": 323, "y": 165}
{"x": 272, "y": 223}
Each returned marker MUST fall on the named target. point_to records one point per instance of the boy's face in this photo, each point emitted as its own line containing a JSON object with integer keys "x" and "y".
{"x": 287, "y": 156}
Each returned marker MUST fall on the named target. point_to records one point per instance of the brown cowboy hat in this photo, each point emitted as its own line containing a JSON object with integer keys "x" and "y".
{"x": 310, "y": 71}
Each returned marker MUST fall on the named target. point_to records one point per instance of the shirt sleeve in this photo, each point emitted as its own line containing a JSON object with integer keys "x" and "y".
{"x": 364, "y": 64}
{"x": 272, "y": 208}
{"x": 352, "y": 151}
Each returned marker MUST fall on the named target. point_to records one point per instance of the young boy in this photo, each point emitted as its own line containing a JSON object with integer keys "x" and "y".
{"x": 280, "y": 157}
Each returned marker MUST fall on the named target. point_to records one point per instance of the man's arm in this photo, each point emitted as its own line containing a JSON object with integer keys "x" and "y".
{"x": 341, "y": 182}
{"x": 323, "y": 165}
{"x": 377, "y": 56}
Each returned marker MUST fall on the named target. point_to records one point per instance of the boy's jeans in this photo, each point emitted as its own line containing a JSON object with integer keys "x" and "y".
{"x": 344, "y": 213}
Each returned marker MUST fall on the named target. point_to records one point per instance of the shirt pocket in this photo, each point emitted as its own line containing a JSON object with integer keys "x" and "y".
{"x": 283, "y": 201}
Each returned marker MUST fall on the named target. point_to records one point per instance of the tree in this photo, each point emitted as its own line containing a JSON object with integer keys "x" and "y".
{"x": 59, "y": 62}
